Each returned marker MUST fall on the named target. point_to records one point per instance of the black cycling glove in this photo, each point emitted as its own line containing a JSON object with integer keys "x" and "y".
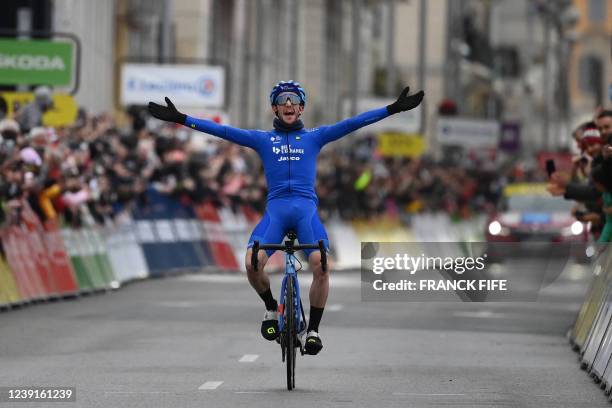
{"x": 405, "y": 102}
{"x": 168, "y": 113}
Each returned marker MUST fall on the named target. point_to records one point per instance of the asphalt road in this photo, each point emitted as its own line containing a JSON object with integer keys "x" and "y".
{"x": 193, "y": 341}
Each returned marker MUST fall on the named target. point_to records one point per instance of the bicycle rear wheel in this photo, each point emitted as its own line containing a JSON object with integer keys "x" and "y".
{"x": 290, "y": 334}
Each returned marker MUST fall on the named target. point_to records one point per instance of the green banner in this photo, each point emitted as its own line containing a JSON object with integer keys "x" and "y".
{"x": 35, "y": 62}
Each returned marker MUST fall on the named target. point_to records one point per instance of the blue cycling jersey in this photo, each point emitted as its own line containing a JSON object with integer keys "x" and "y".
{"x": 289, "y": 158}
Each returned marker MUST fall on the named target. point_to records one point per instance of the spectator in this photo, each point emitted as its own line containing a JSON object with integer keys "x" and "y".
{"x": 604, "y": 125}
{"x": 603, "y": 182}
{"x": 590, "y": 183}
{"x": 31, "y": 115}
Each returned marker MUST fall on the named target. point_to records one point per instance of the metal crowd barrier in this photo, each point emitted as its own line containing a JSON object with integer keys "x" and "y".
{"x": 591, "y": 335}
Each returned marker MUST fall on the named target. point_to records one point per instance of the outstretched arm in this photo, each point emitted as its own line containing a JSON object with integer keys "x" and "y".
{"x": 344, "y": 127}
{"x": 171, "y": 114}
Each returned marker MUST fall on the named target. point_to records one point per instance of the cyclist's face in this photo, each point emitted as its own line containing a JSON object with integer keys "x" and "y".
{"x": 288, "y": 113}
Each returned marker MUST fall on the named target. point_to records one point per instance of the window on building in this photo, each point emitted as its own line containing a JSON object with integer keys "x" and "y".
{"x": 590, "y": 77}
{"x": 597, "y": 10}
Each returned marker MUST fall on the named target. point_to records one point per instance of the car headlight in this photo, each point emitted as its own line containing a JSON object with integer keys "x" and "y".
{"x": 495, "y": 228}
{"x": 577, "y": 228}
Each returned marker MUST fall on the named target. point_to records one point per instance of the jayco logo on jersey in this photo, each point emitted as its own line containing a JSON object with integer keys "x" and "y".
{"x": 284, "y": 150}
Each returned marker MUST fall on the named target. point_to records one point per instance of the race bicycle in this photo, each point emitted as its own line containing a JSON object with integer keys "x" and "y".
{"x": 292, "y": 320}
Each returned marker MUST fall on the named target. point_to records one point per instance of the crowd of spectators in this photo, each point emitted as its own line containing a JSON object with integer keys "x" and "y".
{"x": 356, "y": 181}
{"x": 89, "y": 172}
{"x": 590, "y": 181}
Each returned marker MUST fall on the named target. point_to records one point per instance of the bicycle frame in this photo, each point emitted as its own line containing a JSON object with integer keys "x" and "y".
{"x": 290, "y": 273}
{"x": 288, "y": 346}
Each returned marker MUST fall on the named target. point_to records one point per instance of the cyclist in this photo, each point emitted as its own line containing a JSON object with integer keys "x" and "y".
{"x": 289, "y": 154}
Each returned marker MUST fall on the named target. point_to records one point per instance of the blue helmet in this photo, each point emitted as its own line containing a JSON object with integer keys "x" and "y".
{"x": 288, "y": 86}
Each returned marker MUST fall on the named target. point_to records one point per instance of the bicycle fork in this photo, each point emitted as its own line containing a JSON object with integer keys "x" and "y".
{"x": 299, "y": 310}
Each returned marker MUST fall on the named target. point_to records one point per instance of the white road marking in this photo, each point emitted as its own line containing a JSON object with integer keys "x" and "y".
{"x": 249, "y": 358}
{"x": 180, "y": 304}
{"x": 414, "y": 394}
{"x": 334, "y": 307}
{"x": 210, "y": 385}
{"x": 479, "y": 313}
{"x": 250, "y": 392}
{"x": 136, "y": 392}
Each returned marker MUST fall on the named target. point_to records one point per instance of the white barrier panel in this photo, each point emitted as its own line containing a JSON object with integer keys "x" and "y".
{"x": 596, "y": 350}
{"x": 124, "y": 253}
{"x": 133, "y": 254}
{"x": 439, "y": 227}
{"x": 596, "y": 335}
{"x": 237, "y": 230}
{"x": 604, "y": 352}
{"x": 345, "y": 245}
{"x": 345, "y": 238}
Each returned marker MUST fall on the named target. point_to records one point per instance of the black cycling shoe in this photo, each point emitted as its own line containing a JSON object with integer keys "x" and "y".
{"x": 313, "y": 343}
{"x": 269, "y": 325}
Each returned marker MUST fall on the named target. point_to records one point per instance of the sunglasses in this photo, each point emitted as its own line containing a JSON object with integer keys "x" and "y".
{"x": 282, "y": 98}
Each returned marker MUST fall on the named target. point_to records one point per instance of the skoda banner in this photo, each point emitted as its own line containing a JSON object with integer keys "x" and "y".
{"x": 192, "y": 86}
{"x": 35, "y": 62}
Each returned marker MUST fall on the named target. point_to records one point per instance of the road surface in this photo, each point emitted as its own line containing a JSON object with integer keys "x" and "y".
{"x": 193, "y": 341}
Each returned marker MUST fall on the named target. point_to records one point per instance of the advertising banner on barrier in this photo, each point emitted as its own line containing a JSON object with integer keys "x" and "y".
{"x": 192, "y": 86}
{"x": 216, "y": 239}
{"x": 59, "y": 262}
{"x": 100, "y": 257}
{"x": 90, "y": 259}
{"x": 41, "y": 262}
{"x": 124, "y": 253}
{"x": 74, "y": 251}
{"x": 17, "y": 254}
{"x": 8, "y": 287}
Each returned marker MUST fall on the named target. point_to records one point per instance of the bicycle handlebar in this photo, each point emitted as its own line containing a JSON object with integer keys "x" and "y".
{"x": 289, "y": 249}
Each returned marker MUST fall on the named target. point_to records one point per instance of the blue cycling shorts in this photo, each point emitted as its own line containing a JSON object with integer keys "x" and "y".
{"x": 284, "y": 214}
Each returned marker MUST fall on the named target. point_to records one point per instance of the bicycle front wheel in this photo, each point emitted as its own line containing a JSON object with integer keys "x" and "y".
{"x": 290, "y": 333}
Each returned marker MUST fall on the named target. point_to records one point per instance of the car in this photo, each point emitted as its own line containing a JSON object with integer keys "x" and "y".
{"x": 531, "y": 216}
